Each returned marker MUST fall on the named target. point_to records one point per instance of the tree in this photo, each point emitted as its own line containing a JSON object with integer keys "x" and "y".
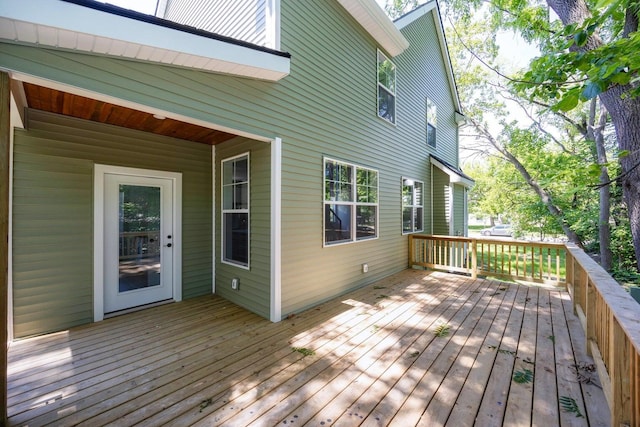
{"x": 396, "y": 8}
{"x": 592, "y": 51}
{"x": 556, "y": 153}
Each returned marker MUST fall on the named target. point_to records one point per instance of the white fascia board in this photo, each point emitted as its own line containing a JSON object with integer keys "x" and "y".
{"x": 414, "y": 15}
{"x": 432, "y": 7}
{"x": 51, "y": 18}
{"x": 454, "y": 177}
{"x": 376, "y": 22}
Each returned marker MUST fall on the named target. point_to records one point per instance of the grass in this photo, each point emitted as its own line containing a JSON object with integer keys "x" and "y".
{"x": 477, "y": 227}
{"x": 523, "y": 259}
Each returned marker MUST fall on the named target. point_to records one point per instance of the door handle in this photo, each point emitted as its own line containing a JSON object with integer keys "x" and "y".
{"x": 168, "y": 245}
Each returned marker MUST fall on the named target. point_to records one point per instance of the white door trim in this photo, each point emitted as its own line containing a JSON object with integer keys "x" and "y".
{"x": 98, "y": 229}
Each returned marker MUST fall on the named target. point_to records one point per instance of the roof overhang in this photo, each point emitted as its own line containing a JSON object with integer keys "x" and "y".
{"x": 432, "y": 8}
{"x": 102, "y": 29}
{"x": 456, "y": 176}
{"x": 376, "y": 22}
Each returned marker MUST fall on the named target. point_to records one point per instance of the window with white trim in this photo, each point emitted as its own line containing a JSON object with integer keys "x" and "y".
{"x": 412, "y": 205}
{"x": 235, "y": 210}
{"x": 386, "y": 88}
{"x": 350, "y": 202}
{"x": 432, "y": 117}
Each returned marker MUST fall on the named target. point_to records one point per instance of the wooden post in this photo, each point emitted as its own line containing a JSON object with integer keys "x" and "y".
{"x": 577, "y": 288}
{"x": 411, "y": 250}
{"x": 590, "y": 314}
{"x": 474, "y": 259}
{"x": 5, "y": 134}
{"x": 620, "y": 375}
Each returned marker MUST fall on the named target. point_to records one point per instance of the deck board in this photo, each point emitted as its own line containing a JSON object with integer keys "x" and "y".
{"x": 376, "y": 361}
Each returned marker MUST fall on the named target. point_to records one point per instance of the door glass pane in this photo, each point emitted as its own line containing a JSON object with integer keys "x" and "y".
{"x": 139, "y": 240}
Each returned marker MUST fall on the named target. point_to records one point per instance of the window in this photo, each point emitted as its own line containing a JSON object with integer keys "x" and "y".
{"x": 431, "y": 123}
{"x": 412, "y": 205}
{"x": 350, "y": 202}
{"x": 235, "y": 210}
{"x": 386, "y": 88}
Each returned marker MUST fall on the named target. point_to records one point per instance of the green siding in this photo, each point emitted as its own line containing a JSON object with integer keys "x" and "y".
{"x": 422, "y": 75}
{"x": 240, "y": 19}
{"x": 458, "y": 210}
{"x": 53, "y": 213}
{"x": 325, "y": 107}
{"x": 441, "y": 202}
{"x": 255, "y": 289}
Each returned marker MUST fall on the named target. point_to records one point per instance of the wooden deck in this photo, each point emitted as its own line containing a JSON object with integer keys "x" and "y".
{"x": 507, "y": 354}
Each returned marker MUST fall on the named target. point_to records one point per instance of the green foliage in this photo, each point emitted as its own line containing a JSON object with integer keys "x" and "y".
{"x": 304, "y": 351}
{"x": 569, "y": 404}
{"x": 553, "y": 147}
{"x": 523, "y": 377}
{"x": 441, "y": 330}
{"x": 396, "y": 8}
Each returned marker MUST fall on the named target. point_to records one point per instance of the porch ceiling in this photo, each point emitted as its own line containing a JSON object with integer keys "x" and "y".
{"x": 55, "y": 101}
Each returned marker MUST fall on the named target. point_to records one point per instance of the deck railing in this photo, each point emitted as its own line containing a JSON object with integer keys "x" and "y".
{"x": 611, "y": 320}
{"x": 609, "y": 315}
{"x": 139, "y": 244}
{"x": 529, "y": 261}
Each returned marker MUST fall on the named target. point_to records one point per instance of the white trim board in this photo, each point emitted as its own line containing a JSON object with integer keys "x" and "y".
{"x": 213, "y": 219}
{"x": 98, "y": 230}
{"x": 63, "y": 25}
{"x": 454, "y": 178}
{"x": 376, "y": 22}
{"x": 276, "y": 230}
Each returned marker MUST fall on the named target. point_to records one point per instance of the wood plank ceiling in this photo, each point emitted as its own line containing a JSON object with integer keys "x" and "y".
{"x": 54, "y": 101}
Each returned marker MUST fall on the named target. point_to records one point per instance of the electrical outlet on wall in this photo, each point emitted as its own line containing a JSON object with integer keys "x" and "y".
{"x": 365, "y": 268}
{"x": 235, "y": 284}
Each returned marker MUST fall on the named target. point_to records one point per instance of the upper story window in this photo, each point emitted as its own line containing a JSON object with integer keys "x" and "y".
{"x": 350, "y": 202}
{"x": 431, "y": 123}
{"x": 412, "y": 206}
{"x": 235, "y": 210}
{"x": 386, "y": 88}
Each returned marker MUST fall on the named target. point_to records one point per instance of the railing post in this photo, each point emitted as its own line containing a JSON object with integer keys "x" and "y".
{"x": 590, "y": 314}
{"x": 620, "y": 375}
{"x": 474, "y": 259}
{"x": 577, "y": 283}
{"x": 411, "y": 250}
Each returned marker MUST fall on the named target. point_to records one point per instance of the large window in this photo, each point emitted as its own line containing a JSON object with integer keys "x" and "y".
{"x": 412, "y": 205}
{"x": 235, "y": 210}
{"x": 432, "y": 117}
{"x": 386, "y": 88}
{"x": 350, "y": 202}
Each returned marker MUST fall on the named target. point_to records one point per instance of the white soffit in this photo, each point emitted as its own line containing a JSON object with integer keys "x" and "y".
{"x": 58, "y": 24}
{"x": 455, "y": 175}
{"x": 376, "y": 22}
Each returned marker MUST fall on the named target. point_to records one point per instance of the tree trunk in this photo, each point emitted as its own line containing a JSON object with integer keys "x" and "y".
{"x": 604, "y": 229}
{"x": 545, "y": 197}
{"x": 624, "y": 111}
{"x": 542, "y": 193}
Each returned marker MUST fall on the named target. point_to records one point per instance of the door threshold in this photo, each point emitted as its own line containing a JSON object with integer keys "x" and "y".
{"x": 137, "y": 308}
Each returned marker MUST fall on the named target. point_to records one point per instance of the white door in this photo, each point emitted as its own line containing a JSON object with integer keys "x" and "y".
{"x": 138, "y": 241}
